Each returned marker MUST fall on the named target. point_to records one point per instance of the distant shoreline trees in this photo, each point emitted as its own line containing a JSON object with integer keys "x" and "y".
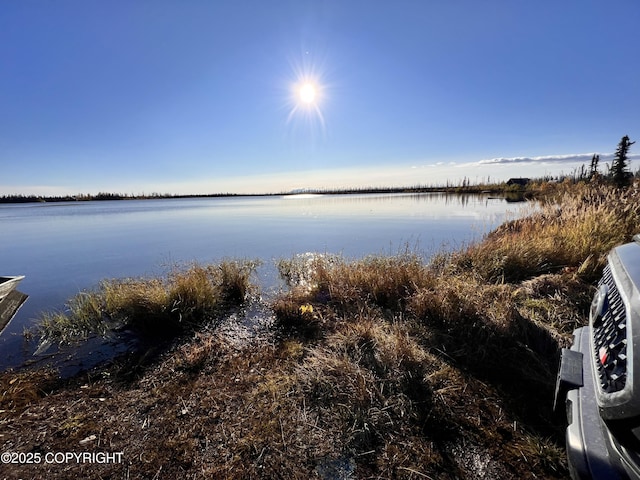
{"x": 593, "y": 170}
{"x": 620, "y": 174}
{"x": 100, "y": 197}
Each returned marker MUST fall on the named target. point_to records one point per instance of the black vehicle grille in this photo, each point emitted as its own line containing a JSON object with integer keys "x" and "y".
{"x": 610, "y": 338}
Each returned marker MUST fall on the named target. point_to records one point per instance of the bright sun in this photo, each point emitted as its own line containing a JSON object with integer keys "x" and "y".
{"x": 307, "y": 93}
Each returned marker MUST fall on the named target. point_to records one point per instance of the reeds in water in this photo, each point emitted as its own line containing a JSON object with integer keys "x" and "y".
{"x": 185, "y": 298}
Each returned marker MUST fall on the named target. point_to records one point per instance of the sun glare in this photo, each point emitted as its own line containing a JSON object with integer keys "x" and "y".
{"x": 306, "y": 99}
{"x": 307, "y": 93}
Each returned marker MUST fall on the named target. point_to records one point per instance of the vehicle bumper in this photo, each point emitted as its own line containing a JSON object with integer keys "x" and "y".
{"x": 588, "y": 440}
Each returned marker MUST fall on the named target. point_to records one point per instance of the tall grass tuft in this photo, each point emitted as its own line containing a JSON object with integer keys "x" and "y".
{"x": 234, "y": 277}
{"x": 385, "y": 281}
{"x": 183, "y": 299}
{"x": 353, "y": 288}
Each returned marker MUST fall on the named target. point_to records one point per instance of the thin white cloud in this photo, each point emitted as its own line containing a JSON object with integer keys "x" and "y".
{"x": 552, "y": 159}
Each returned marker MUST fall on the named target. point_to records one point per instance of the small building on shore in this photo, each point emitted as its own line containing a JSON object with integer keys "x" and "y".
{"x": 518, "y": 181}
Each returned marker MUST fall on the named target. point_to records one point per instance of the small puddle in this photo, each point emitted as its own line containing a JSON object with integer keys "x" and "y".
{"x": 343, "y": 468}
{"x": 253, "y": 322}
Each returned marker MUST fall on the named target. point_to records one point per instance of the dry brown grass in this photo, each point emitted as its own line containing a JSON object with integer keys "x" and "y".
{"x": 158, "y": 306}
{"x": 411, "y": 349}
{"x": 574, "y": 231}
{"x": 17, "y": 391}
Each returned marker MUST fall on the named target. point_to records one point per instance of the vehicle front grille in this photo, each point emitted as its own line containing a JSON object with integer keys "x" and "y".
{"x": 610, "y": 337}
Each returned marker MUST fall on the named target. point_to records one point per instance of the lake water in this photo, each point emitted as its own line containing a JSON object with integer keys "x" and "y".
{"x": 63, "y": 248}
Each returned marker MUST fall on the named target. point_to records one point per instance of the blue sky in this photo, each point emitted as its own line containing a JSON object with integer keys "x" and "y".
{"x": 200, "y": 96}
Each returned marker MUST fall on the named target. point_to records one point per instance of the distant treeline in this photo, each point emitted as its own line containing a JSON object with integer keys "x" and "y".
{"x": 463, "y": 187}
{"x": 98, "y": 197}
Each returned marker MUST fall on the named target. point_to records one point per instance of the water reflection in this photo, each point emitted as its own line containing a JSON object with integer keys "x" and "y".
{"x": 411, "y": 204}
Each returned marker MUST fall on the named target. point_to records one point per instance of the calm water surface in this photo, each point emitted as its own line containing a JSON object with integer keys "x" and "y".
{"x": 63, "y": 248}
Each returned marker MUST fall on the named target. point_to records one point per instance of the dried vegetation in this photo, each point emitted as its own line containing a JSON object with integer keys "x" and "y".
{"x": 159, "y": 306}
{"x": 383, "y": 367}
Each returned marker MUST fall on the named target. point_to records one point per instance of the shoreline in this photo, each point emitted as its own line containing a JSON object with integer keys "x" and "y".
{"x": 502, "y": 188}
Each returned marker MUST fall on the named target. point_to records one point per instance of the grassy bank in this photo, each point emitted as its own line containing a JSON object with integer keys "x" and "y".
{"x": 383, "y": 367}
{"x": 185, "y": 299}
